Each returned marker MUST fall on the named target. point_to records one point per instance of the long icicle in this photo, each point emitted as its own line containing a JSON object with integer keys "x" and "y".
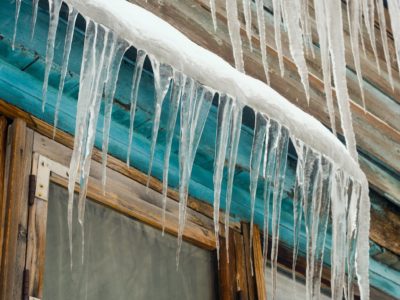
{"x": 394, "y": 12}
{"x": 54, "y": 10}
{"x": 115, "y": 59}
{"x": 368, "y": 9}
{"x": 353, "y": 15}
{"x": 277, "y": 8}
{"x": 176, "y": 94}
{"x": 279, "y": 182}
{"x": 137, "y": 75}
{"x": 322, "y": 29}
{"x": 73, "y": 13}
{"x": 247, "y": 19}
{"x": 35, "y": 5}
{"x": 292, "y": 16}
{"x": 255, "y": 161}
{"x": 382, "y": 25}
{"x": 261, "y": 32}
{"x": 234, "y": 33}
{"x": 162, "y": 77}
{"x": 221, "y": 145}
{"x": 213, "y": 14}
{"x": 336, "y": 48}
{"x": 232, "y": 156}
{"x": 17, "y": 10}
{"x": 266, "y": 192}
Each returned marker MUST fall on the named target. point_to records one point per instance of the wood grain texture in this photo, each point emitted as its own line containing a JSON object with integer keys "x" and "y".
{"x": 3, "y": 150}
{"x": 16, "y": 216}
{"x": 258, "y": 264}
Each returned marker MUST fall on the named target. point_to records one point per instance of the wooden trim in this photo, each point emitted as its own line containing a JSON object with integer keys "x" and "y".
{"x": 3, "y": 150}
{"x": 251, "y": 287}
{"x": 15, "y": 234}
{"x": 258, "y": 264}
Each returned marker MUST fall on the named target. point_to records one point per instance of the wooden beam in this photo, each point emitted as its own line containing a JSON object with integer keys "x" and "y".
{"x": 259, "y": 264}
{"x": 3, "y": 147}
{"x": 251, "y": 285}
{"x": 16, "y": 215}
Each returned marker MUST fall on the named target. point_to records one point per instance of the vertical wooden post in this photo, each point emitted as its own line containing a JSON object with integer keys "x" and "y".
{"x": 227, "y": 270}
{"x": 247, "y": 254}
{"x": 241, "y": 278}
{"x": 3, "y": 148}
{"x": 258, "y": 264}
{"x": 16, "y": 212}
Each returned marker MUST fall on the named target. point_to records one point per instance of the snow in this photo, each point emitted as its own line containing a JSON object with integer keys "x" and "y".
{"x": 162, "y": 40}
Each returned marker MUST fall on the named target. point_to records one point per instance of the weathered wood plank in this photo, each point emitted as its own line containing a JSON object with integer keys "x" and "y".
{"x": 241, "y": 277}
{"x": 251, "y": 285}
{"x": 258, "y": 264}
{"x": 3, "y": 150}
{"x": 15, "y": 235}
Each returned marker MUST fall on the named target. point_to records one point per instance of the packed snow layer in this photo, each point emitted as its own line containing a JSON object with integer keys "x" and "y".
{"x": 131, "y": 23}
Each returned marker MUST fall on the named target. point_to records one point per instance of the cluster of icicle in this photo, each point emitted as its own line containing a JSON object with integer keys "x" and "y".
{"x": 321, "y": 187}
{"x": 294, "y": 15}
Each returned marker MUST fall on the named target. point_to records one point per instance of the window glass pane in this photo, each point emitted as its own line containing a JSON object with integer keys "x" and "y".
{"x": 123, "y": 258}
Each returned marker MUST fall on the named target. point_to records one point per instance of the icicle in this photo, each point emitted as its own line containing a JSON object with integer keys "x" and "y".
{"x": 247, "y": 19}
{"x": 368, "y": 9}
{"x": 255, "y": 161}
{"x": 352, "y": 236}
{"x": 292, "y": 15}
{"x": 213, "y": 14}
{"x": 336, "y": 47}
{"x": 277, "y": 7}
{"x": 223, "y": 128}
{"x": 54, "y": 10}
{"x": 306, "y": 26}
{"x": 73, "y": 13}
{"x": 118, "y": 49}
{"x": 176, "y": 93}
{"x": 94, "y": 69}
{"x": 261, "y": 32}
{"x": 322, "y": 29}
{"x": 353, "y": 15}
{"x": 298, "y": 199}
{"x": 339, "y": 212}
{"x": 162, "y": 77}
{"x": 234, "y": 33}
{"x": 17, "y": 9}
{"x": 195, "y": 105}
{"x": 394, "y": 11}
{"x": 278, "y": 184}
{"x": 266, "y": 196}
{"x": 137, "y": 75}
{"x": 232, "y": 155}
{"x": 382, "y": 25}
{"x": 34, "y": 16}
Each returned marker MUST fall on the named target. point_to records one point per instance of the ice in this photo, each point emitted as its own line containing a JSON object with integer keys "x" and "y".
{"x": 256, "y": 155}
{"x": 298, "y": 199}
{"x": 162, "y": 77}
{"x": 394, "y": 12}
{"x": 339, "y": 238}
{"x": 277, "y": 189}
{"x": 234, "y": 137}
{"x": 117, "y": 52}
{"x": 225, "y": 108}
{"x": 306, "y": 27}
{"x": 382, "y": 25}
{"x": 337, "y": 52}
{"x": 213, "y": 14}
{"x": 277, "y": 8}
{"x": 320, "y": 18}
{"x": 368, "y": 9}
{"x": 292, "y": 16}
{"x": 73, "y": 13}
{"x": 247, "y": 19}
{"x": 54, "y": 11}
{"x": 195, "y": 105}
{"x": 137, "y": 75}
{"x": 35, "y": 5}
{"x": 261, "y": 32}
{"x": 353, "y": 15}
{"x": 176, "y": 94}
{"x": 17, "y": 9}
{"x": 234, "y": 33}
